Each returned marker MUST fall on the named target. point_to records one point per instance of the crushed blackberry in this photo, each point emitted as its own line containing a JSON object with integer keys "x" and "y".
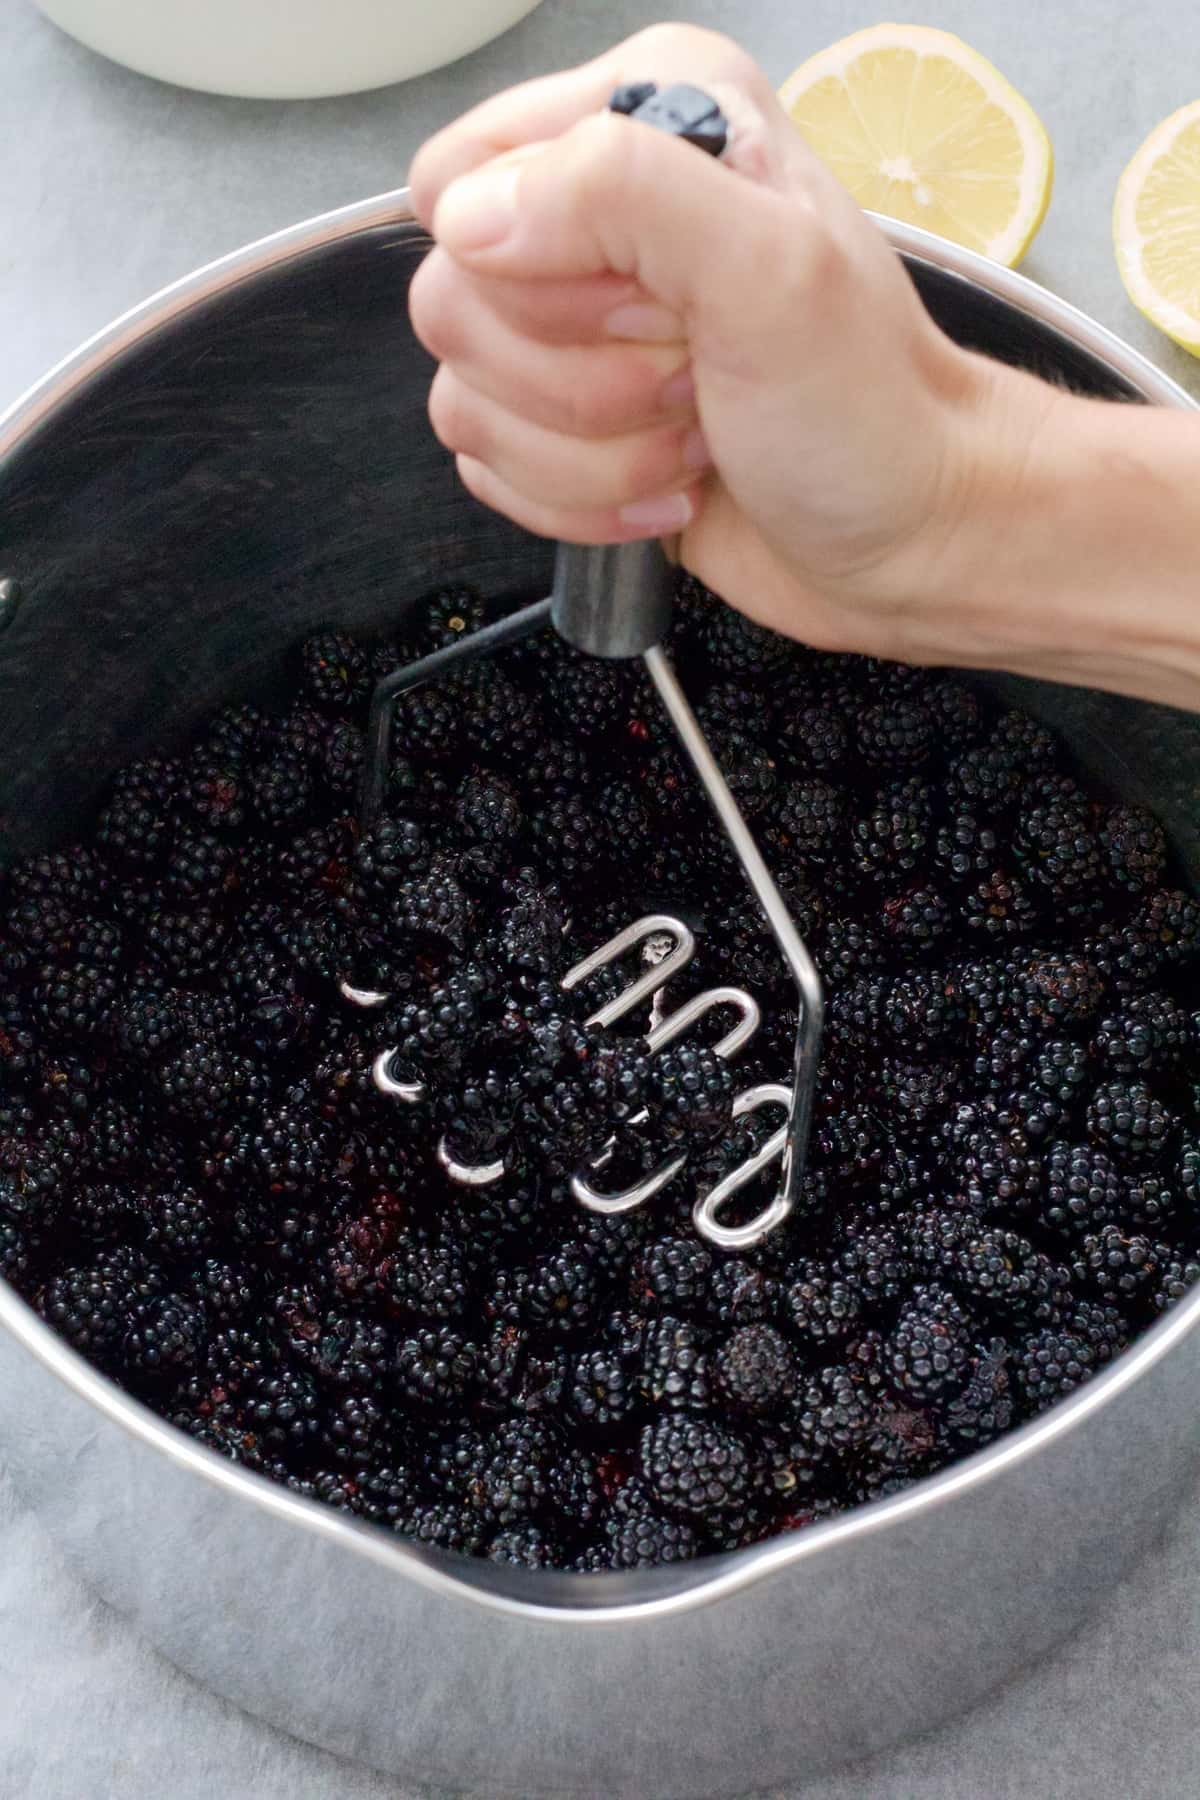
{"x": 692, "y": 1092}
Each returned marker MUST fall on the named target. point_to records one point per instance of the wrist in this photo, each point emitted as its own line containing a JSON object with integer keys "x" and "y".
{"x": 1066, "y": 550}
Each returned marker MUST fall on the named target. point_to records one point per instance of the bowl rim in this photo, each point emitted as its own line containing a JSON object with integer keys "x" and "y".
{"x": 589, "y": 1600}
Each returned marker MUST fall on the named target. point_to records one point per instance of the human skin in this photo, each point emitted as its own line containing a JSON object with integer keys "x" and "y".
{"x": 635, "y": 340}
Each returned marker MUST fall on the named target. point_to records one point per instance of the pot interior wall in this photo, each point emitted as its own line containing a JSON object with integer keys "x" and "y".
{"x": 263, "y": 465}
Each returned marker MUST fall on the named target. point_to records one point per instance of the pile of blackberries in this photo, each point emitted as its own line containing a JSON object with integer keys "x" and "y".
{"x": 204, "y": 1190}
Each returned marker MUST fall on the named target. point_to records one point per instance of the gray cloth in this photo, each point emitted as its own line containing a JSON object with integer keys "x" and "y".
{"x": 113, "y": 186}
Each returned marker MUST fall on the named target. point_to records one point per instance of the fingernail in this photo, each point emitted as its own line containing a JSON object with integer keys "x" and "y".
{"x": 659, "y": 517}
{"x": 645, "y": 322}
{"x": 680, "y": 390}
{"x": 478, "y": 210}
{"x": 696, "y": 453}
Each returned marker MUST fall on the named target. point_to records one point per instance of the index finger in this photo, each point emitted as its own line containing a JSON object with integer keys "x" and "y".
{"x": 542, "y": 109}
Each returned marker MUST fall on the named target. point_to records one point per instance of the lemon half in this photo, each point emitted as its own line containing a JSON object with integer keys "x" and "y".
{"x": 1156, "y": 227}
{"x": 921, "y": 127}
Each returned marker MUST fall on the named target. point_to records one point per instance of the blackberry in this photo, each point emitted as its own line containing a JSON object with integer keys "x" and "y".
{"x": 695, "y": 1468}
{"x": 447, "y": 615}
{"x": 281, "y": 790}
{"x": 225, "y": 1289}
{"x": 565, "y": 837}
{"x": 432, "y": 908}
{"x": 1120, "y": 1267}
{"x": 969, "y": 847}
{"x": 213, "y": 793}
{"x": 872, "y": 1262}
{"x": 561, "y": 1293}
{"x": 335, "y": 671}
{"x": 811, "y": 820}
{"x": 283, "y": 1151}
{"x": 929, "y": 1347}
{"x": 303, "y": 731}
{"x": 984, "y": 1408}
{"x": 530, "y": 1547}
{"x": 895, "y": 733}
{"x": 531, "y": 931}
{"x": 135, "y": 828}
{"x": 1169, "y": 921}
{"x": 437, "y": 1032}
{"x": 390, "y": 854}
{"x": 1129, "y": 1119}
{"x": 735, "y": 645}
{"x": 185, "y": 944}
{"x": 283, "y": 1407}
{"x": 692, "y": 1091}
{"x": 76, "y": 1001}
{"x": 672, "y": 1275}
{"x": 916, "y": 1095}
{"x": 923, "y": 1011}
{"x": 756, "y": 1369}
{"x": 206, "y": 1082}
{"x": 1032, "y": 747}
{"x": 198, "y": 865}
{"x": 516, "y": 1468}
{"x": 17, "y": 1257}
{"x": 957, "y": 714}
{"x": 178, "y": 1224}
{"x": 1057, "y": 845}
{"x": 363, "y": 1239}
{"x": 849, "y": 947}
{"x": 642, "y": 1538}
{"x": 998, "y": 1271}
{"x": 439, "y": 1525}
{"x": 999, "y": 908}
{"x": 500, "y": 723}
{"x": 92, "y": 1305}
{"x": 1149, "y": 1036}
{"x": 674, "y": 1366}
{"x": 602, "y": 1391}
{"x": 555, "y": 768}
{"x": 560, "y": 1124}
{"x": 917, "y": 921}
{"x": 165, "y": 1337}
{"x": 1179, "y": 1275}
{"x": 488, "y": 811}
{"x": 340, "y": 764}
{"x": 897, "y": 1447}
{"x": 815, "y": 735}
{"x": 997, "y": 1169}
{"x": 1062, "y": 1070}
{"x": 589, "y": 697}
{"x": 893, "y": 836}
{"x": 427, "y": 723}
{"x": 1059, "y": 991}
{"x": 743, "y": 1294}
{"x": 831, "y": 1420}
{"x": 1135, "y": 846}
{"x": 823, "y": 1302}
{"x": 1082, "y": 1190}
{"x": 240, "y": 732}
{"x": 1052, "y": 1363}
{"x": 427, "y": 1278}
{"x": 1149, "y": 1202}
{"x": 989, "y": 995}
{"x": 985, "y": 776}
{"x": 438, "y": 1368}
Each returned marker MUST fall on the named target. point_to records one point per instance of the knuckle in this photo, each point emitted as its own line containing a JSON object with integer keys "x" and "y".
{"x": 432, "y": 305}
{"x": 451, "y": 415}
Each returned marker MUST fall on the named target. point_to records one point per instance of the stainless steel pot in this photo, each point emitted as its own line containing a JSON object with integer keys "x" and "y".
{"x": 244, "y": 456}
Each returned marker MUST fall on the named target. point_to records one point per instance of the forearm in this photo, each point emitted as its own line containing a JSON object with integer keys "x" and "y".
{"x": 1078, "y": 555}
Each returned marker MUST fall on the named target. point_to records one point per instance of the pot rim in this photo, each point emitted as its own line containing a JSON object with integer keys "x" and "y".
{"x": 581, "y": 1600}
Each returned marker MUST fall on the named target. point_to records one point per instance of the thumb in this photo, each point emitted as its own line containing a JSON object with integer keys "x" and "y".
{"x": 613, "y": 195}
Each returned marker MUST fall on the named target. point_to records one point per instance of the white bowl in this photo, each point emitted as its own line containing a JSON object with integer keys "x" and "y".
{"x": 284, "y": 49}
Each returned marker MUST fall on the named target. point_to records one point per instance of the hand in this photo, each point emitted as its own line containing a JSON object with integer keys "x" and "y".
{"x": 637, "y": 341}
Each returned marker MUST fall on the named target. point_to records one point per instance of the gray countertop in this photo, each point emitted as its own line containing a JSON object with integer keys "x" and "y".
{"x": 114, "y": 186}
